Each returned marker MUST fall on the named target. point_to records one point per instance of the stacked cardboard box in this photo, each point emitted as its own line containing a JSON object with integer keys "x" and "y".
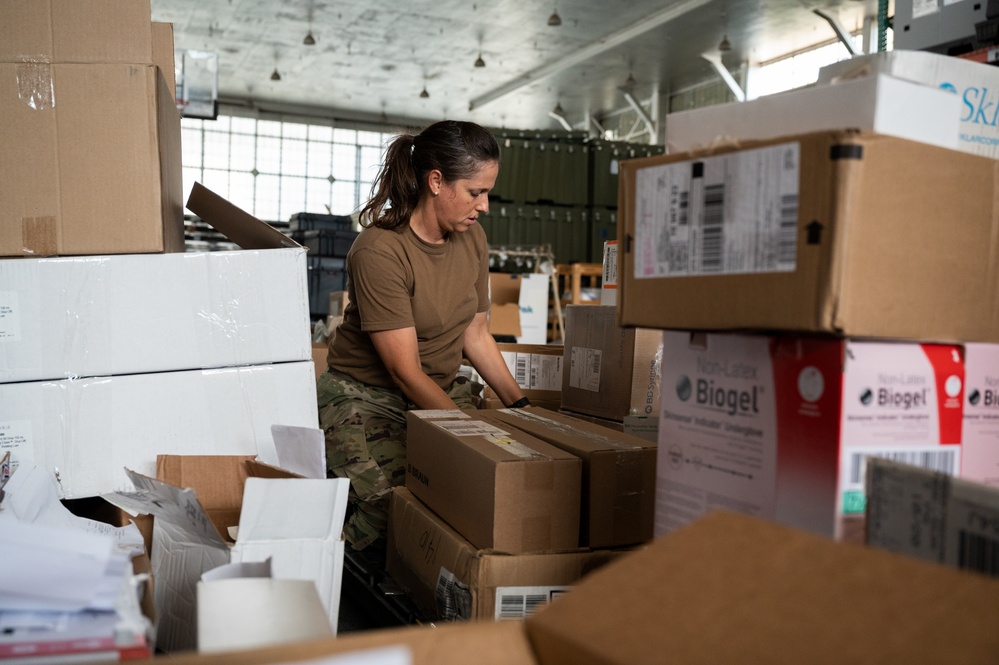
{"x": 503, "y": 509}
{"x": 79, "y": 80}
{"x": 837, "y": 278}
{"x": 537, "y": 369}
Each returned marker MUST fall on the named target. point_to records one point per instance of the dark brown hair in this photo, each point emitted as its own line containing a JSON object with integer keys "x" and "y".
{"x": 456, "y": 149}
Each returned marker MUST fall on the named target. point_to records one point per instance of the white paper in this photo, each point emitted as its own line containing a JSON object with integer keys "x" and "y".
{"x": 301, "y": 450}
{"x": 239, "y": 569}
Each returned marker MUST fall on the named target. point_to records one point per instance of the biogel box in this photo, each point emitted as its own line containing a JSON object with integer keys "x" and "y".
{"x": 781, "y": 426}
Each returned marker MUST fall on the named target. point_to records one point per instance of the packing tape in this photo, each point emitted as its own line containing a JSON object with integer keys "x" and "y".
{"x": 34, "y": 83}
{"x": 40, "y": 236}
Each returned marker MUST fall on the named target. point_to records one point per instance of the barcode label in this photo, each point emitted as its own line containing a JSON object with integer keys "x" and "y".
{"x": 787, "y": 246}
{"x": 521, "y": 371}
{"x": 712, "y": 231}
{"x": 943, "y": 461}
{"x": 522, "y": 602}
{"x": 978, "y": 553}
{"x": 454, "y": 600}
{"x": 735, "y": 213}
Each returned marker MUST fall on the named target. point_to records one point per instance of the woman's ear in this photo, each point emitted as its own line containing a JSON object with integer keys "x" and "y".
{"x": 435, "y": 179}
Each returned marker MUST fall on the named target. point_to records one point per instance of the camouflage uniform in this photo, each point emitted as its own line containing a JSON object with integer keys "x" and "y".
{"x": 365, "y": 430}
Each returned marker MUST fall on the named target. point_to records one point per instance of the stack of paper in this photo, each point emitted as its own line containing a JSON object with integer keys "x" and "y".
{"x": 67, "y": 592}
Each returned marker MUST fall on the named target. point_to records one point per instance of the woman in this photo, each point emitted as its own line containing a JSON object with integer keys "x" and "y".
{"x": 417, "y": 282}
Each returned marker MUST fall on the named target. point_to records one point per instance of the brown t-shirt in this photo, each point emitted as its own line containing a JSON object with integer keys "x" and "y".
{"x": 396, "y": 280}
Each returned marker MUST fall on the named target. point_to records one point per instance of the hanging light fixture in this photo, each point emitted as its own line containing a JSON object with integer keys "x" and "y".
{"x": 423, "y": 93}
{"x": 275, "y": 75}
{"x": 479, "y": 62}
{"x": 725, "y": 45}
{"x": 630, "y": 82}
{"x": 554, "y": 20}
{"x": 309, "y": 39}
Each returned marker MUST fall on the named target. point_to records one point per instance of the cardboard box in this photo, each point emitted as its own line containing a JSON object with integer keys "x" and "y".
{"x": 980, "y": 445}
{"x": 163, "y": 55}
{"x": 196, "y": 500}
{"x": 79, "y": 31}
{"x": 845, "y": 237}
{"x": 736, "y": 589}
{"x": 489, "y": 403}
{"x": 932, "y": 516}
{"x": 611, "y": 372}
{"x": 879, "y": 104}
{"x": 73, "y": 317}
{"x": 619, "y": 474}
{"x": 781, "y": 426}
{"x": 449, "y": 579}
{"x": 90, "y": 430}
{"x": 519, "y": 306}
{"x": 57, "y": 197}
{"x": 483, "y": 643}
{"x": 537, "y": 369}
{"x": 499, "y": 488}
{"x": 974, "y": 84}
{"x": 319, "y": 353}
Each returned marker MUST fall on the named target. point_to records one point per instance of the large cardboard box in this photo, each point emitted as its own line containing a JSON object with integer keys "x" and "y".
{"x": 880, "y": 104}
{"x": 973, "y": 84}
{"x": 498, "y": 487}
{"x": 933, "y": 516}
{"x": 619, "y": 474}
{"x": 89, "y": 430}
{"x": 91, "y": 157}
{"x": 450, "y": 579}
{"x": 82, "y": 31}
{"x": 480, "y": 642}
{"x": 163, "y": 54}
{"x": 213, "y": 510}
{"x": 73, "y": 317}
{"x": 735, "y": 589}
{"x": 610, "y": 371}
{"x": 781, "y": 426}
{"x": 842, "y": 232}
{"x": 644, "y": 427}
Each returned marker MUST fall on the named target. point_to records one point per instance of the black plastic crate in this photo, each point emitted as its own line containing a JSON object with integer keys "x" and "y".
{"x": 325, "y": 275}
{"x": 325, "y": 243}
{"x": 310, "y": 221}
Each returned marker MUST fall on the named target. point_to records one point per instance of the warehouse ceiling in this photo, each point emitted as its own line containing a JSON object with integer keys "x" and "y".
{"x": 372, "y": 59}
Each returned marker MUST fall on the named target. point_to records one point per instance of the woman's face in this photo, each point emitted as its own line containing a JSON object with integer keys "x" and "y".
{"x": 459, "y": 203}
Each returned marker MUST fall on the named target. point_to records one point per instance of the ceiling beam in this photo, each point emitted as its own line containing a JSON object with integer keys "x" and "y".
{"x": 842, "y": 34}
{"x": 726, "y": 75}
{"x": 650, "y": 126}
{"x": 613, "y": 40}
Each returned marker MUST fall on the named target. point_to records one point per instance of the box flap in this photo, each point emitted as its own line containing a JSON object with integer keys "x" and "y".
{"x": 298, "y": 524}
{"x": 237, "y": 225}
{"x": 217, "y": 480}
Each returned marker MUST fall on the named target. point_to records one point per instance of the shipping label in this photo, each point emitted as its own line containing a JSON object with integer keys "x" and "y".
{"x": 16, "y": 440}
{"x": 722, "y": 215}
{"x": 535, "y": 371}
{"x": 10, "y": 317}
{"x": 520, "y": 602}
{"x": 930, "y": 515}
{"x": 584, "y": 368}
{"x": 491, "y": 433}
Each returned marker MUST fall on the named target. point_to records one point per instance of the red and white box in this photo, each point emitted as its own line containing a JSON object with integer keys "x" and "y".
{"x": 980, "y": 454}
{"x": 780, "y": 426}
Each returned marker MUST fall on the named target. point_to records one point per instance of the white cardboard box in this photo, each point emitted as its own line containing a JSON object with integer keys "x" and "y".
{"x": 974, "y": 86}
{"x": 882, "y": 104}
{"x": 130, "y": 314}
{"x": 780, "y": 427}
{"x": 90, "y": 430}
{"x": 304, "y": 544}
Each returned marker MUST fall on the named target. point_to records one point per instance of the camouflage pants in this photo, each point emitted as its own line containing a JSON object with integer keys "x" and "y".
{"x": 365, "y": 430}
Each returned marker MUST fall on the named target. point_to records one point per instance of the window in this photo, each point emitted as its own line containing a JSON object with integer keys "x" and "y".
{"x": 276, "y": 168}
